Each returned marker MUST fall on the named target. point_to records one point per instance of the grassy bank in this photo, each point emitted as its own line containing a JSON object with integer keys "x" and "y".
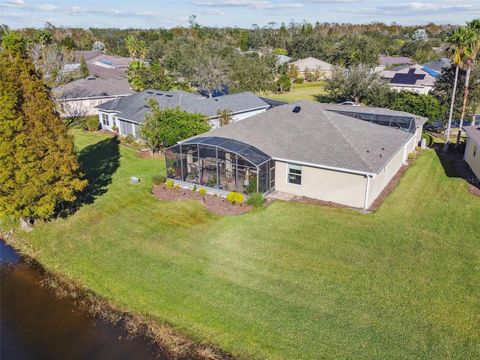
{"x": 305, "y": 91}
{"x": 292, "y": 281}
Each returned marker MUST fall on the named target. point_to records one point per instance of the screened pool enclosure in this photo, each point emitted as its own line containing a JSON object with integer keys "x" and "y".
{"x": 222, "y": 164}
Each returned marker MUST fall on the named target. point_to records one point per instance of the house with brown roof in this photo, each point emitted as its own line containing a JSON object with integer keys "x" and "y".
{"x": 311, "y": 64}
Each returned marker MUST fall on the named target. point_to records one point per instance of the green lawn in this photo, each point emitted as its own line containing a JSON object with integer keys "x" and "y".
{"x": 305, "y": 91}
{"x": 292, "y": 281}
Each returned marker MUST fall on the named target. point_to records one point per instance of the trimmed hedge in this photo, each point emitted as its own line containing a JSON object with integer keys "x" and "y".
{"x": 235, "y": 198}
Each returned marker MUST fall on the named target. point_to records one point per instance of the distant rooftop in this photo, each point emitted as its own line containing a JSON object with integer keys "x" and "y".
{"x": 135, "y": 107}
{"x": 92, "y": 87}
{"x": 393, "y": 60}
{"x": 312, "y": 63}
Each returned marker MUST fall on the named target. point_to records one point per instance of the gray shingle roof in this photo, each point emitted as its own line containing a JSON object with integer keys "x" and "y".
{"x": 438, "y": 65}
{"x": 316, "y": 136}
{"x": 92, "y": 87}
{"x": 419, "y": 120}
{"x": 393, "y": 60}
{"x": 134, "y": 107}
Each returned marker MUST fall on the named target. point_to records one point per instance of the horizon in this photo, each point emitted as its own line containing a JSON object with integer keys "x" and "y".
{"x": 146, "y": 14}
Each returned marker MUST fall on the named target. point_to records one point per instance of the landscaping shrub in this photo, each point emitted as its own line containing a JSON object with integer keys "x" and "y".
{"x": 130, "y": 139}
{"x": 194, "y": 189}
{"x": 235, "y": 198}
{"x": 202, "y": 191}
{"x": 92, "y": 123}
{"x": 159, "y": 179}
{"x": 252, "y": 184}
{"x": 256, "y": 200}
{"x": 169, "y": 183}
{"x": 299, "y": 80}
{"x": 177, "y": 187}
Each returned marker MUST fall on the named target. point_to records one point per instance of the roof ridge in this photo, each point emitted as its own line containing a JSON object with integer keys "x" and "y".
{"x": 347, "y": 141}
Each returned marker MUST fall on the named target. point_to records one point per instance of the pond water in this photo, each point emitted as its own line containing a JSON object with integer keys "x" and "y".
{"x": 35, "y": 324}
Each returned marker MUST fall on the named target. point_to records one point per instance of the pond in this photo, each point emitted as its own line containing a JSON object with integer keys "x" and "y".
{"x": 36, "y": 324}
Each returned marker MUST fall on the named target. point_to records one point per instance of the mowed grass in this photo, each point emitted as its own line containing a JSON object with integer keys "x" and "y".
{"x": 306, "y": 91}
{"x": 292, "y": 281}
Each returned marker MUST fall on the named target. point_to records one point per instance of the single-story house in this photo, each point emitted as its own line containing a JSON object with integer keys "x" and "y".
{"x": 310, "y": 64}
{"x": 128, "y": 113}
{"x": 300, "y": 149}
{"x": 415, "y": 78}
{"x": 472, "y": 149}
{"x": 80, "y": 97}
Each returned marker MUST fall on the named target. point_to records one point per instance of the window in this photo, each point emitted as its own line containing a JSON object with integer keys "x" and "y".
{"x": 294, "y": 175}
{"x": 105, "y": 120}
{"x": 475, "y": 151}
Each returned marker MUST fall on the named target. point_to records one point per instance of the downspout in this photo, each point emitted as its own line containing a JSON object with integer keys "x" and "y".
{"x": 367, "y": 193}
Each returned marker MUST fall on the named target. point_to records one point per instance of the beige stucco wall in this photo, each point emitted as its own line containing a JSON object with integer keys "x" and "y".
{"x": 473, "y": 161}
{"x": 378, "y": 183}
{"x": 328, "y": 185}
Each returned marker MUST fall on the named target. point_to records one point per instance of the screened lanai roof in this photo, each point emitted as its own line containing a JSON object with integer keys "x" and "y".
{"x": 248, "y": 152}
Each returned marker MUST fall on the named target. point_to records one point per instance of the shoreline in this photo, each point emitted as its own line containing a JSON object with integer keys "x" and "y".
{"x": 168, "y": 342}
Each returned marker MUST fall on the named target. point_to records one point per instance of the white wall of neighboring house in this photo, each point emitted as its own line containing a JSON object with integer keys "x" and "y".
{"x": 81, "y": 106}
{"x": 215, "y": 122}
{"x": 472, "y": 156}
{"x": 424, "y": 90}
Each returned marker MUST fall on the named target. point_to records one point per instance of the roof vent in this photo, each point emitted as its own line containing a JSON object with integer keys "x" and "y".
{"x": 159, "y": 94}
{"x": 91, "y": 78}
{"x": 149, "y": 92}
{"x": 296, "y": 109}
{"x": 169, "y": 95}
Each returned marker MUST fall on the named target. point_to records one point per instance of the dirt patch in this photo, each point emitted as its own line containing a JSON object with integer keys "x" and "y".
{"x": 147, "y": 154}
{"x": 215, "y": 204}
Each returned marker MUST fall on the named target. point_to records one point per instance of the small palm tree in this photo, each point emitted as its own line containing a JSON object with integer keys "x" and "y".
{"x": 472, "y": 37}
{"x": 459, "y": 43}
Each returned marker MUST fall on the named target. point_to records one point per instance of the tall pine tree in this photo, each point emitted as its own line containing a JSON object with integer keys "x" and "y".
{"x": 39, "y": 171}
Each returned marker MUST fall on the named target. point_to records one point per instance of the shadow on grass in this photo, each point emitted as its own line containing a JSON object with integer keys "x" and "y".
{"x": 454, "y": 165}
{"x": 98, "y": 162}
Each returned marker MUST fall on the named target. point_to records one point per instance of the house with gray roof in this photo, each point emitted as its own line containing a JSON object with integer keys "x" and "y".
{"x": 128, "y": 113}
{"x": 300, "y": 149}
{"x": 80, "y": 97}
{"x": 414, "y": 78}
{"x": 310, "y": 64}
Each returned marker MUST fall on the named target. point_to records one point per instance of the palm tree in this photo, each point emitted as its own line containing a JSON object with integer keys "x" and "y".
{"x": 472, "y": 42}
{"x": 458, "y": 47}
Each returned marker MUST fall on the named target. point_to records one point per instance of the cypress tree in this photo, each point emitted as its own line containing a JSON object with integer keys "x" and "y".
{"x": 39, "y": 171}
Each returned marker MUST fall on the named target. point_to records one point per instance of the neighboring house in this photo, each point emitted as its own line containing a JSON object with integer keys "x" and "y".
{"x": 105, "y": 66}
{"x": 80, "y": 97}
{"x": 415, "y": 78}
{"x": 312, "y": 64}
{"x": 438, "y": 65}
{"x": 472, "y": 149}
{"x": 299, "y": 149}
{"x": 128, "y": 113}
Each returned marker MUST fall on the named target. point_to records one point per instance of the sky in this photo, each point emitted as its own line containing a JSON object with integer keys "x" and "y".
{"x": 235, "y": 13}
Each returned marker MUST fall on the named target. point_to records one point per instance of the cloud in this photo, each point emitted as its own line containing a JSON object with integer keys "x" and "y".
{"x": 252, "y": 4}
{"x": 429, "y": 7}
{"x": 213, "y": 12}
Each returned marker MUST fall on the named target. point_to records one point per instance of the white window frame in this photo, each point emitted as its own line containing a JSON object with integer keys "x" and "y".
{"x": 294, "y": 167}
{"x": 105, "y": 119}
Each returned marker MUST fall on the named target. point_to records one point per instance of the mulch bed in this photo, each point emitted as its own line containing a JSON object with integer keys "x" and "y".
{"x": 389, "y": 188}
{"x": 214, "y": 204}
